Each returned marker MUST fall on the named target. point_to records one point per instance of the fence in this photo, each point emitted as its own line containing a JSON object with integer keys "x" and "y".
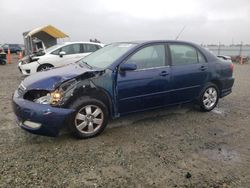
{"x": 236, "y": 50}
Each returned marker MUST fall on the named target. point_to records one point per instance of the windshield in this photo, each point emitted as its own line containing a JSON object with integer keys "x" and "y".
{"x": 107, "y": 55}
{"x": 50, "y": 49}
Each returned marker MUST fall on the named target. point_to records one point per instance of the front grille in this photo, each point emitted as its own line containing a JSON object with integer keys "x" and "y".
{"x": 21, "y": 89}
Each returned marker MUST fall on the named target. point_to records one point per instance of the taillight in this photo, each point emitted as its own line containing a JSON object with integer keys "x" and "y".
{"x": 232, "y": 67}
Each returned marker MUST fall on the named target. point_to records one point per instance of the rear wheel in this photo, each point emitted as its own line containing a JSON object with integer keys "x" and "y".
{"x": 90, "y": 118}
{"x": 44, "y": 67}
{"x": 209, "y": 97}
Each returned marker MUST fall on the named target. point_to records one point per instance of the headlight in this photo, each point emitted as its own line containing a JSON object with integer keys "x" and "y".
{"x": 44, "y": 99}
{"x": 51, "y": 98}
{"x": 64, "y": 91}
{"x": 57, "y": 96}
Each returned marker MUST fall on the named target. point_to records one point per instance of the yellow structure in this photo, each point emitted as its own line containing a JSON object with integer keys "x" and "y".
{"x": 50, "y": 30}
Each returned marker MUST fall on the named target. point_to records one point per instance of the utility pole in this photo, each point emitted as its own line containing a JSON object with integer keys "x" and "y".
{"x": 241, "y": 58}
{"x": 241, "y": 44}
{"x": 219, "y": 49}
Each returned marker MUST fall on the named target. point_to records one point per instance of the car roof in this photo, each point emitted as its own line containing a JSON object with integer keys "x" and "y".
{"x": 83, "y": 42}
{"x": 145, "y": 42}
{"x": 57, "y": 46}
{"x": 155, "y": 41}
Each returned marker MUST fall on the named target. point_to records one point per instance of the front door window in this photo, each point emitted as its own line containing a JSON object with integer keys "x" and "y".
{"x": 149, "y": 57}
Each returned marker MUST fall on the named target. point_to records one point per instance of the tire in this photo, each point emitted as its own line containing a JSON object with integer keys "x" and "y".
{"x": 2, "y": 62}
{"x": 86, "y": 122}
{"x": 209, "y": 97}
{"x": 44, "y": 67}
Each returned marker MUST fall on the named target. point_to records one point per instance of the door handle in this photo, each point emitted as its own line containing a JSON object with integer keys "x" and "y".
{"x": 163, "y": 73}
{"x": 202, "y": 68}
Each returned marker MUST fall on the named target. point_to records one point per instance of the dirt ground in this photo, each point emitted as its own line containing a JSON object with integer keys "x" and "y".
{"x": 175, "y": 147}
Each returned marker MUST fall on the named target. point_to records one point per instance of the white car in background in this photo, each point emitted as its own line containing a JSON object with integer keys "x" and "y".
{"x": 225, "y": 58}
{"x": 58, "y": 55}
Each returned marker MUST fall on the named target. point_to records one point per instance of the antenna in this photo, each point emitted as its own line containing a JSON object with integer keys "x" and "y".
{"x": 180, "y": 33}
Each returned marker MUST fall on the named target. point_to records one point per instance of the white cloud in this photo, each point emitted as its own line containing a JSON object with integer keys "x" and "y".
{"x": 152, "y": 9}
{"x": 111, "y": 20}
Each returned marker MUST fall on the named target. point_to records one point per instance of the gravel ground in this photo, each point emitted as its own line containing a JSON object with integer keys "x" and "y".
{"x": 175, "y": 147}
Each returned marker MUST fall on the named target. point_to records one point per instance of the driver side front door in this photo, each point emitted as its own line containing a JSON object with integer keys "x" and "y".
{"x": 72, "y": 54}
{"x": 147, "y": 86}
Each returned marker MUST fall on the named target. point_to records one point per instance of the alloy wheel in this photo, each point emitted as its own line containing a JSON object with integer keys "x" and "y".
{"x": 210, "y": 97}
{"x": 89, "y": 119}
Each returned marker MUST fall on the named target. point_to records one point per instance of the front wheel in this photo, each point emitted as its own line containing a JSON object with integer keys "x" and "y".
{"x": 90, "y": 118}
{"x": 209, "y": 97}
{"x": 44, "y": 67}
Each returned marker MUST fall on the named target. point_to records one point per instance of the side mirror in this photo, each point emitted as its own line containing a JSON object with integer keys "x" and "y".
{"x": 62, "y": 53}
{"x": 128, "y": 67}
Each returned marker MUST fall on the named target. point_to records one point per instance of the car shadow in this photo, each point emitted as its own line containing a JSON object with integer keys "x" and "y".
{"x": 151, "y": 116}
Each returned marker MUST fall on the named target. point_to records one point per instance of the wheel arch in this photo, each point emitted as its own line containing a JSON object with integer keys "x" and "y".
{"x": 102, "y": 95}
{"x": 44, "y": 64}
{"x": 218, "y": 84}
{"x": 96, "y": 93}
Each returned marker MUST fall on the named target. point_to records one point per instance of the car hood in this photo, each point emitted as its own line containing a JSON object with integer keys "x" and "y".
{"x": 50, "y": 79}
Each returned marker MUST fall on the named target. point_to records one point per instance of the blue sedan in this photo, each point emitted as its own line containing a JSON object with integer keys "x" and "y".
{"x": 119, "y": 79}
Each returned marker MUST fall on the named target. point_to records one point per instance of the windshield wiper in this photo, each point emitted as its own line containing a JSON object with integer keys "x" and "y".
{"x": 89, "y": 66}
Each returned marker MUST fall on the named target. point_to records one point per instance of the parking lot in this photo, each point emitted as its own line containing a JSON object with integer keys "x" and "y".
{"x": 175, "y": 147}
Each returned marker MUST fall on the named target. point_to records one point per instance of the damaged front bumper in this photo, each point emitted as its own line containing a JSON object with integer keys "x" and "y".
{"x": 40, "y": 119}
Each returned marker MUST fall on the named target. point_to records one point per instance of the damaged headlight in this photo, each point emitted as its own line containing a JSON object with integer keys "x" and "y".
{"x": 44, "y": 99}
{"x": 58, "y": 95}
{"x": 50, "y": 98}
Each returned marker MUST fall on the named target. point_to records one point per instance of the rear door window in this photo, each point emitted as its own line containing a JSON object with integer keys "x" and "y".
{"x": 72, "y": 49}
{"x": 183, "y": 54}
{"x": 89, "y": 48}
